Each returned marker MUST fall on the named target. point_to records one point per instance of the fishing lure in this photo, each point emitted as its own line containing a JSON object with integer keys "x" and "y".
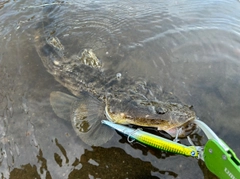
{"x": 153, "y": 140}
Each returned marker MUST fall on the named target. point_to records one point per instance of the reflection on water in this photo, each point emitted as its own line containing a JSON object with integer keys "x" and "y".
{"x": 114, "y": 165}
{"x": 190, "y": 49}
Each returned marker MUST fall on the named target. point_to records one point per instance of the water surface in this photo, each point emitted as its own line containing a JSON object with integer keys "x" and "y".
{"x": 188, "y": 48}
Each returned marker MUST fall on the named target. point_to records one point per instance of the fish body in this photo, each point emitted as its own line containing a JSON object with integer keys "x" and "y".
{"x": 121, "y": 100}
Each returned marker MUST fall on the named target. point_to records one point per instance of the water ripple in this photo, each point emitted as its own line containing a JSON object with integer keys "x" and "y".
{"x": 190, "y": 48}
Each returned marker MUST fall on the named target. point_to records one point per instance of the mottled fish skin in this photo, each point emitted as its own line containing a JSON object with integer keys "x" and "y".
{"x": 75, "y": 73}
{"x": 127, "y": 101}
{"x": 85, "y": 73}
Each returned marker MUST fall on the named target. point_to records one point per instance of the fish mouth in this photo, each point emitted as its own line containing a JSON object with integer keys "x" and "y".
{"x": 184, "y": 130}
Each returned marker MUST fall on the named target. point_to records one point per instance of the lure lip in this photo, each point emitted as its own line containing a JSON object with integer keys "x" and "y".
{"x": 121, "y": 128}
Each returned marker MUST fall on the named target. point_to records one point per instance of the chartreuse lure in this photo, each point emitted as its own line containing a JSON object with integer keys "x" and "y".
{"x": 153, "y": 140}
{"x": 217, "y": 155}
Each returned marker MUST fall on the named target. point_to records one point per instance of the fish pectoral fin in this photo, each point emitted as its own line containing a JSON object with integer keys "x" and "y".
{"x": 86, "y": 116}
{"x": 97, "y": 135}
{"x": 85, "y": 113}
{"x": 61, "y": 104}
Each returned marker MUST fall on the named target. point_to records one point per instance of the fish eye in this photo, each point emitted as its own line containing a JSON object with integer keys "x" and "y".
{"x": 160, "y": 110}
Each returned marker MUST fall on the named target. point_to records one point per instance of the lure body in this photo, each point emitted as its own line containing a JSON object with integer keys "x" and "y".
{"x": 154, "y": 141}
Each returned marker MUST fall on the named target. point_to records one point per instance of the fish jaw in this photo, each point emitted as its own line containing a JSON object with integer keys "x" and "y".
{"x": 122, "y": 118}
{"x": 116, "y": 118}
{"x": 186, "y": 130}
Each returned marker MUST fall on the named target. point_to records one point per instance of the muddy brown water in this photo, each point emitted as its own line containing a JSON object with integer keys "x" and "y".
{"x": 190, "y": 49}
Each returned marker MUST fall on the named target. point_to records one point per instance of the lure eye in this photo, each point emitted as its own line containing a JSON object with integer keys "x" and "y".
{"x": 193, "y": 153}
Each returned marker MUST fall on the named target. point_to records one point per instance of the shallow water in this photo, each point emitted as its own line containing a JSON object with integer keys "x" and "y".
{"x": 189, "y": 48}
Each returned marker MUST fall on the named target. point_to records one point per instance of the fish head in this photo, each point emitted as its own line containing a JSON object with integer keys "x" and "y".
{"x": 165, "y": 116}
